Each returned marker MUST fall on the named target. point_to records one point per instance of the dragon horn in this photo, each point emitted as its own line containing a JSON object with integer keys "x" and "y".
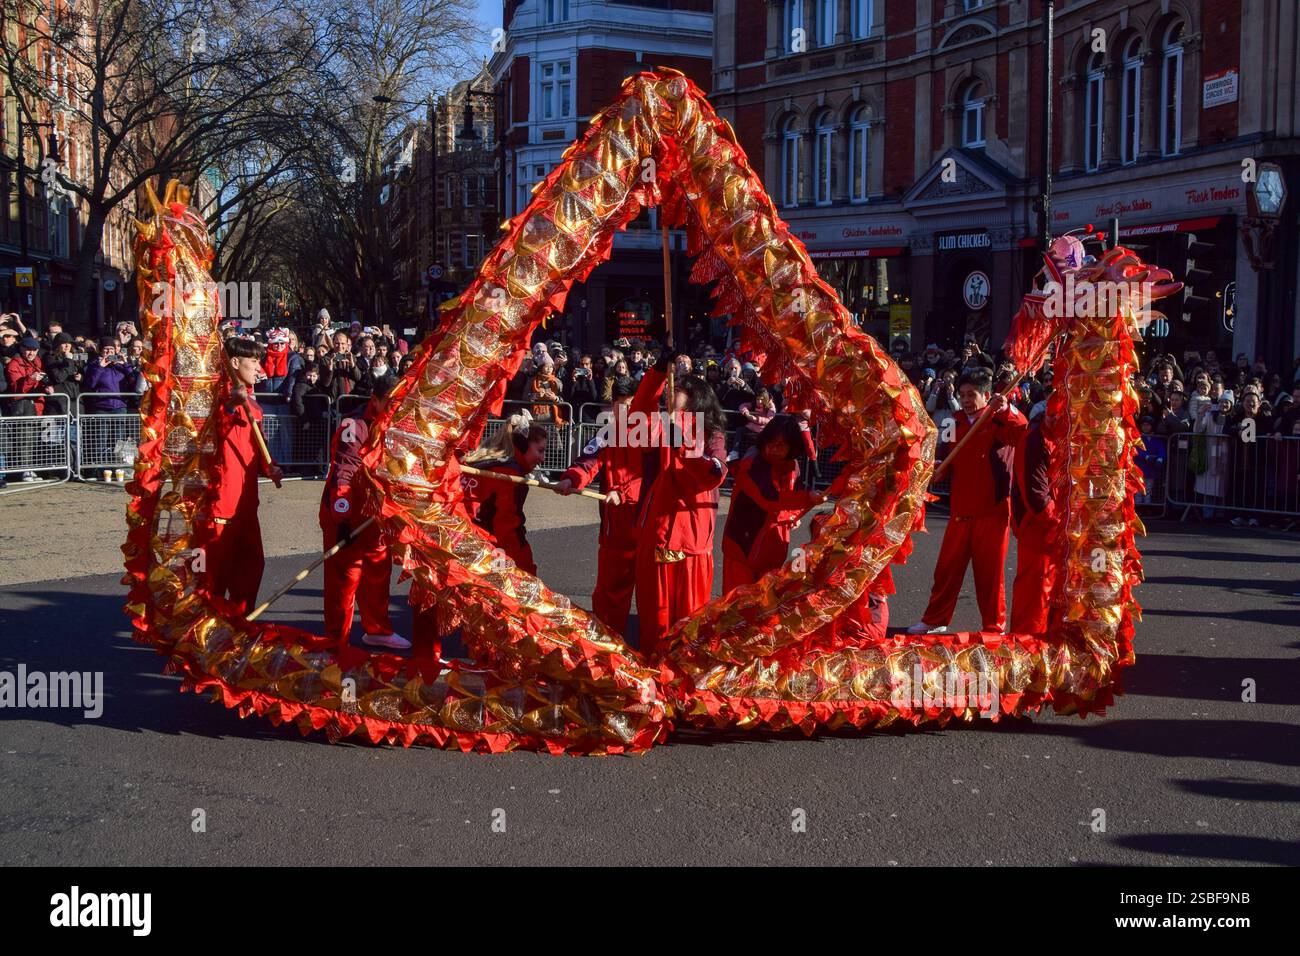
{"x": 153, "y": 199}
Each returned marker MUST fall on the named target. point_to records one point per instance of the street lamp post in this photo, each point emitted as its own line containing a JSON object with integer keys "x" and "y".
{"x": 1045, "y": 196}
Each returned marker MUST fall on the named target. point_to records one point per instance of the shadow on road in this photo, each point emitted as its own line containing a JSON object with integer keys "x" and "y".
{"x": 1218, "y": 679}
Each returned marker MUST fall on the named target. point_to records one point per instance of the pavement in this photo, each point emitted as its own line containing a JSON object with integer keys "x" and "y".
{"x": 1181, "y": 770}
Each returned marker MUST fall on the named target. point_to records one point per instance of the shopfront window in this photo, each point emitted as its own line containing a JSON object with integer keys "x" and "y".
{"x": 875, "y": 291}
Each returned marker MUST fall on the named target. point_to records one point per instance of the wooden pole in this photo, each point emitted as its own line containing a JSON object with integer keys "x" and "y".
{"x": 531, "y": 482}
{"x": 671, "y": 391}
{"x": 302, "y": 575}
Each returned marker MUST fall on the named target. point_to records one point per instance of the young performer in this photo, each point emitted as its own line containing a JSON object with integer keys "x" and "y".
{"x": 1033, "y": 515}
{"x": 233, "y": 551}
{"x": 766, "y": 501}
{"x": 680, "y": 481}
{"x": 979, "y": 520}
{"x": 362, "y": 569}
{"x": 619, "y": 467}
{"x": 498, "y": 506}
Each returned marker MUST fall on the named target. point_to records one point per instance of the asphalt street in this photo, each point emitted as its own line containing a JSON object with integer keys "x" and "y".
{"x": 1184, "y": 770}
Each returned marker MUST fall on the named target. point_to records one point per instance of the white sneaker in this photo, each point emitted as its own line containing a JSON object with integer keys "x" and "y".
{"x": 394, "y": 641}
{"x": 920, "y": 627}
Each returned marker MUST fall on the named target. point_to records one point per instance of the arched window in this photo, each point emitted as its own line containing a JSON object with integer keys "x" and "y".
{"x": 859, "y": 154}
{"x": 790, "y": 163}
{"x": 826, "y": 10}
{"x": 1171, "y": 89}
{"x": 823, "y": 159}
{"x": 793, "y": 22}
{"x": 972, "y": 117}
{"x": 1130, "y": 116}
{"x": 1094, "y": 112}
{"x": 861, "y": 14}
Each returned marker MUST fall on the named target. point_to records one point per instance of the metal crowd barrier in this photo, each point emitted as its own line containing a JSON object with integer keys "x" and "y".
{"x": 38, "y": 443}
{"x": 560, "y": 438}
{"x": 300, "y": 441}
{"x": 1223, "y": 473}
{"x": 107, "y": 439}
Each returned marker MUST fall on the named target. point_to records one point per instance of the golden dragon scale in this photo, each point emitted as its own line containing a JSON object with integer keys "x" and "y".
{"x": 548, "y": 675}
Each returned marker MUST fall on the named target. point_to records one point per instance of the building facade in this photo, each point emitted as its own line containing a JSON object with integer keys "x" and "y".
{"x": 556, "y": 65}
{"x": 902, "y": 141}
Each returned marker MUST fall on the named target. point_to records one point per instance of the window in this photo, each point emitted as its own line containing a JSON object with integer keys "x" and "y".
{"x": 1130, "y": 132}
{"x": 557, "y": 90}
{"x": 449, "y": 192}
{"x": 473, "y": 249}
{"x": 464, "y": 192}
{"x": 1094, "y": 112}
{"x": 824, "y": 159}
{"x": 860, "y": 13}
{"x": 1171, "y": 90}
{"x": 969, "y": 5}
{"x": 826, "y": 10}
{"x": 790, "y": 164}
{"x": 557, "y": 10}
{"x": 859, "y": 154}
{"x": 793, "y": 22}
{"x": 972, "y": 117}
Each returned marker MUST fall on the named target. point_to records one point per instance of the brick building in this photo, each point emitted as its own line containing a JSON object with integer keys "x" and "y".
{"x": 559, "y": 63}
{"x": 901, "y": 142}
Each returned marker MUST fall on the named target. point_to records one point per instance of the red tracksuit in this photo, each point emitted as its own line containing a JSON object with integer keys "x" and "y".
{"x": 234, "y": 548}
{"x": 674, "y": 558}
{"x": 619, "y": 468}
{"x": 498, "y": 508}
{"x": 362, "y": 570}
{"x": 1033, "y": 515}
{"x": 765, "y": 503}
{"x": 979, "y": 522}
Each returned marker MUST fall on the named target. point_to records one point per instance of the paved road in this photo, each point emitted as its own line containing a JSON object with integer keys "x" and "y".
{"x": 1184, "y": 771}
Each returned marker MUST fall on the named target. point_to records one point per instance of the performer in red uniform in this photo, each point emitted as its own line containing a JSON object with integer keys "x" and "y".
{"x": 1033, "y": 516}
{"x": 361, "y": 572}
{"x": 979, "y": 512}
{"x": 766, "y": 501}
{"x": 617, "y": 460}
{"x": 233, "y": 549}
{"x": 498, "y": 506}
{"x": 680, "y": 481}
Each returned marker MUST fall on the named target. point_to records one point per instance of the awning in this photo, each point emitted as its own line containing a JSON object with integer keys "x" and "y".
{"x": 1146, "y": 229}
{"x": 876, "y": 252}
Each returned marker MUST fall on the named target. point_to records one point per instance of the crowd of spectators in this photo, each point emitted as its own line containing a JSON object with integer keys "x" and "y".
{"x": 1206, "y": 424}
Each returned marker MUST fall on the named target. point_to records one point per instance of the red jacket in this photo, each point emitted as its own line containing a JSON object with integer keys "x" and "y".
{"x": 498, "y": 506}
{"x": 765, "y": 503}
{"x": 680, "y": 506}
{"x": 619, "y": 467}
{"x": 239, "y": 460}
{"x": 22, "y": 377}
{"x": 981, "y": 476}
{"x": 342, "y": 501}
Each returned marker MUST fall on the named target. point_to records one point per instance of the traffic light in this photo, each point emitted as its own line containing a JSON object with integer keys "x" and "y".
{"x": 1197, "y": 275}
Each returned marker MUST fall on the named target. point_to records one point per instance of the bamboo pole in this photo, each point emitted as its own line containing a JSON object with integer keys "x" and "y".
{"x": 303, "y": 574}
{"x": 531, "y": 482}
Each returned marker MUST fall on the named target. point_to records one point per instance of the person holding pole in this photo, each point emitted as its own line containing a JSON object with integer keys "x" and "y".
{"x": 618, "y": 465}
{"x": 498, "y": 506}
{"x": 232, "y": 552}
{"x": 1034, "y": 519}
{"x": 979, "y": 523}
{"x": 361, "y": 571}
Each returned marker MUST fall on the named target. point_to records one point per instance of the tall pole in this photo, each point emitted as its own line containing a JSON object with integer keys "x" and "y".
{"x": 433, "y": 220}
{"x": 668, "y": 306}
{"x": 1045, "y": 198}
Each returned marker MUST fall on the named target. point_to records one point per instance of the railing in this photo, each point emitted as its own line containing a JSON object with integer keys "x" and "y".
{"x": 299, "y": 441}
{"x": 1224, "y": 473}
{"x": 35, "y": 442}
{"x": 560, "y": 437}
{"x": 107, "y": 438}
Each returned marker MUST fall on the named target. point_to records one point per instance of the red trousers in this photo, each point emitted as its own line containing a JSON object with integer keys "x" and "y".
{"x": 981, "y": 541}
{"x": 666, "y": 592}
{"x": 235, "y": 561}
{"x": 611, "y": 601}
{"x": 359, "y": 574}
{"x": 1035, "y": 576}
{"x": 426, "y": 634}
